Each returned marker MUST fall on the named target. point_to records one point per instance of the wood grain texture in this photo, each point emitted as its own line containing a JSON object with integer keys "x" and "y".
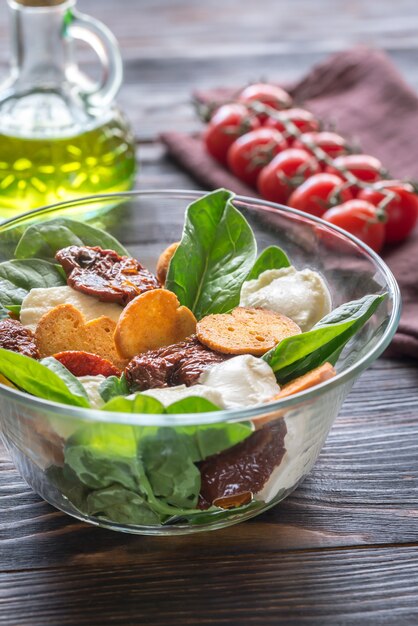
{"x": 332, "y": 587}
{"x": 343, "y": 549}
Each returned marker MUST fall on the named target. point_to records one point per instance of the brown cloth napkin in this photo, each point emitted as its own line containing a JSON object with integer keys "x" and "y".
{"x": 362, "y": 94}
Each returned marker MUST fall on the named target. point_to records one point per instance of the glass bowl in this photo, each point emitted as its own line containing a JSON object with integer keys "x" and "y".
{"x": 285, "y": 437}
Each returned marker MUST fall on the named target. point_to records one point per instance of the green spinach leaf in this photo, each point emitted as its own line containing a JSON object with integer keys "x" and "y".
{"x": 114, "y": 386}
{"x": 272, "y": 258}
{"x": 67, "y": 482}
{"x": 206, "y": 440}
{"x": 122, "y": 506}
{"x": 17, "y": 278}
{"x": 298, "y": 354}
{"x": 96, "y": 470}
{"x": 72, "y": 383}
{"x": 4, "y": 313}
{"x": 115, "y": 503}
{"x": 45, "y": 239}
{"x": 103, "y": 454}
{"x": 215, "y": 255}
{"x": 39, "y": 380}
{"x": 141, "y": 403}
{"x": 9, "y": 237}
{"x": 192, "y": 404}
{"x": 170, "y": 469}
{"x": 14, "y": 308}
{"x": 107, "y": 439}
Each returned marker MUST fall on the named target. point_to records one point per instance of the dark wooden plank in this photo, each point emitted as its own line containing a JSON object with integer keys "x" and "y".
{"x": 330, "y": 587}
{"x": 158, "y": 28}
{"x": 157, "y": 171}
{"x": 363, "y": 490}
{"x": 170, "y": 48}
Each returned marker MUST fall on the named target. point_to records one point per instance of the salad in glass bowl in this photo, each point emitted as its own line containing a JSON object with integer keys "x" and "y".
{"x": 193, "y": 385}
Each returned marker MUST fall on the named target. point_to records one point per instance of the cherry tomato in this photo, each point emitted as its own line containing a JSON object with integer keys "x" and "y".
{"x": 284, "y": 172}
{"x": 252, "y": 151}
{"x": 362, "y": 166}
{"x": 228, "y": 123}
{"x": 319, "y": 193}
{"x": 302, "y": 119}
{"x": 271, "y": 95}
{"x": 360, "y": 219}
{"x": 401, "y": 211}
{"x": 332, "y": 144}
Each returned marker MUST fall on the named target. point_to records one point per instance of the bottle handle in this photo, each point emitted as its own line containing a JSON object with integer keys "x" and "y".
{"x": 104, "y": 44}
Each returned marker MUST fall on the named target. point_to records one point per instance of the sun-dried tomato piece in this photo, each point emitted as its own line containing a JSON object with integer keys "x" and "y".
{"x": 179, "y": 364}
{"x": 14, "y": 336}
{"x": 232, "y": 502}
{"x": 246, "y": 467}
{"x": 82, "y": 363}
{"x": 105, "y": 274}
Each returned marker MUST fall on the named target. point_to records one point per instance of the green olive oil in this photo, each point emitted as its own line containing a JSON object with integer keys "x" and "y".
{"x": 38, "y": 172}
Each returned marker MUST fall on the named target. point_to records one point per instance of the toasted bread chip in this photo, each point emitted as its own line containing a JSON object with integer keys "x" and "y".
{"x": 152, "y": 320}
{"x": 164, "y": 261}
{"x": 82, "y": 363}
{"x": 245, "y": 331}
{"x": 310, "y": 379}
{"x": 64, "y": 328}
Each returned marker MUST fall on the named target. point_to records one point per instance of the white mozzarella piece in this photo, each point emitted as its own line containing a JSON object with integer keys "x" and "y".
{"x": 168, "y": 395}
{"x": 41, "y": 300}
{"x": 242, "y": 381}
{"x": 91, "y": 384}
{"x": 301, "y": 295}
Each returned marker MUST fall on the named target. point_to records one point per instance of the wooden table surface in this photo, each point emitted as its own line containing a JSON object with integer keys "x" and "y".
{"x": 343, "y": 549}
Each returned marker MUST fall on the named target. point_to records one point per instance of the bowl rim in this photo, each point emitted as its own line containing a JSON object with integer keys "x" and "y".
{"x": 223, "y": 415}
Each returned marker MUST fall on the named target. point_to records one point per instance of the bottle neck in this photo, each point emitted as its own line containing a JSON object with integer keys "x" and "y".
{"x": 41, "y": 53}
